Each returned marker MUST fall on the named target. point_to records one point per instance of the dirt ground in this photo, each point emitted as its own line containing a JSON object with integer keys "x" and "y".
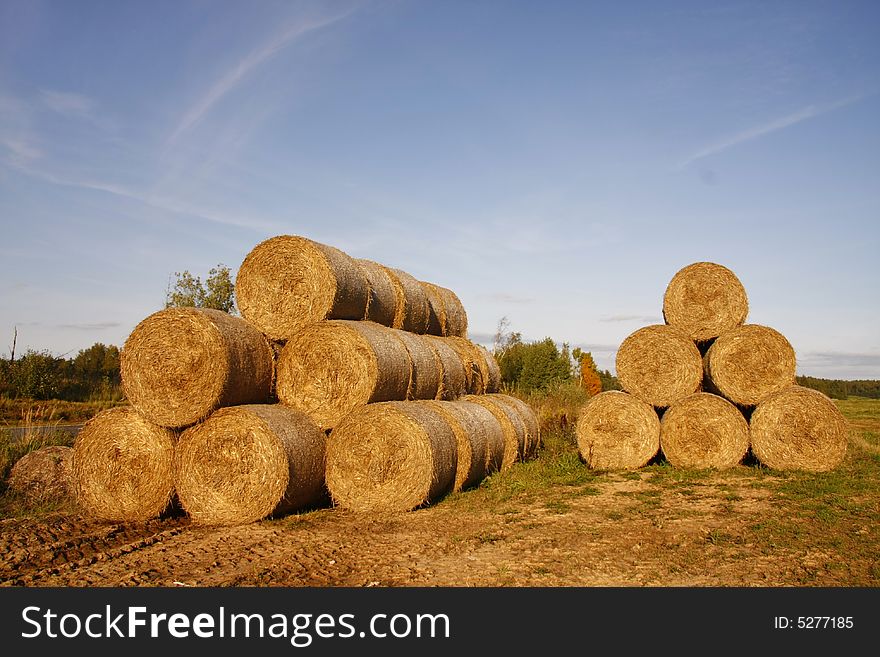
{"x": 618, "y": 530}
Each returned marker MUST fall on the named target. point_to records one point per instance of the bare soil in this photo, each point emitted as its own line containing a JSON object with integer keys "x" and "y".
{"x": 618, "y": 530}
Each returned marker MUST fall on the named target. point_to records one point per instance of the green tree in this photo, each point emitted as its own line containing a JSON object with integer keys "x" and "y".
{"x": 188, "y": 291}
{"x": 37, "y": 375}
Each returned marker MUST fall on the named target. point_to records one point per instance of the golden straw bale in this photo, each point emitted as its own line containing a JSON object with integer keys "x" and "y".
{"x": 704, "y": 431}
{"x": 492, "y": 431}
{"x": 471, "y": 440}
{"x": 452, "y": 374}
{"x": 799, "y": 429}
{"x": 512, "y": 425}
{"x": 44, "y": 474}
{"x": 332, "y": 367}
{"x": 382, "y": 301}
{"x": 245, "y": 463}
{"x": 489, "y": 369}
{"x": 392, "y": 456}
{"x": 436, "y": 309}
{"x": 530, "y": 421}
{"x": 412, "y": 310}
{"x": 748, "y": 363}
{"x": 180, "y": 364}
{"x": 704, "y": 300}
{"x": 475, "y": 366}
{"x": 425, "y": 374}
{"x": 288, "y": 282}
{"x": 123, "y": 466}
{"x": 616, "y": 430}
{"x": 659, "y": 364}
{"x": 456, "y": 321}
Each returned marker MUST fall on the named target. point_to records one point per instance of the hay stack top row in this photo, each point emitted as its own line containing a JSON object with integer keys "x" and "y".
{"x": 288, "y": 282}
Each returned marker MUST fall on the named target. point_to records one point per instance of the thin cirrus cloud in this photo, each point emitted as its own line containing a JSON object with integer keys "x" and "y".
{"x": 96, "y": 326}
{"x": 67, "y": 103}
{"x": 649, "y": 319}
{"x": 235, "y": 76}
{"x": 809, "y": 112}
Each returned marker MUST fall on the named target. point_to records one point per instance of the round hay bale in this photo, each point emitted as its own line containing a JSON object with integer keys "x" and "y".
{"x": 616, "y": 430}
{"x": 704, "y": 300}
{"x": 245, "y": 463}
{"x": 412, "y": 308}
{"x": 492, "y": 431}
{"x": 456, "y": 321}
{"x": 288, "y": 282}
{"x": 512, "y": 426}
{"x": 330, "y": 368}
{"x": 180, "y": 364}
{"x": 436, "y": 309}
{"x": 452, "y": 374}
{"x": 530, "y": 421}
{"x": 704, "y": 431}
{"x": 393, "y": 456}
{"x": 659, "y": 364}
{"x": 382, "y": 300}
{"x": 424, "y": 382}
{"x": 123, "y": 466}
{"x": 43, "y": 474}
{"x": 489, "y": 369}
{"x": 471, "y": 441}
{"x": 475, "y": 366}
{"x": 799, "y": 429}
{"x": 748, "y": 363}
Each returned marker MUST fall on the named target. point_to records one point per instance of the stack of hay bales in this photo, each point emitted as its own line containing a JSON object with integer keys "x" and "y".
{"x": 705, "y": 386}
{"x": 230, "y": 416}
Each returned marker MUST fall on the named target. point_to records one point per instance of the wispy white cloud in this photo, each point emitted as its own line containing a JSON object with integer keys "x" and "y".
{"x": 67, "y": 103}
{"x": 649, "y": 319}
{"x": 238, "y": 73}
{"x": 166, "y": 204}
{"x": 809, "y": 112}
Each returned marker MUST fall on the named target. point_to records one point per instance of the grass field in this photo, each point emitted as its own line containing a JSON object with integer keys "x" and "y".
{"x": 548, "y": 522}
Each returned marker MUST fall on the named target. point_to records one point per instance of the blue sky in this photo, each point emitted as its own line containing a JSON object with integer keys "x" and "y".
{"x": 553, "y": 162}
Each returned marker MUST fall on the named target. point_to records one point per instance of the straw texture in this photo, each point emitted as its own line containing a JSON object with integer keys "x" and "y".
{"x": 704, "y": 300}
{"x": 616, "y": 430}
{"x": 704, "y": 431}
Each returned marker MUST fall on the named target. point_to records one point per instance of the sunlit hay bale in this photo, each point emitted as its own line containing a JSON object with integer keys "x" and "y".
{"x": 180, "y": 364}
{"x": 798, "y": 429}
{"x": 447, "y": 314}
{"x": 616, "y": 430}
{"x": 704, "y": 300}
{"x": 471, "y": 440}
{"x": 436, "y": 309}
{"x": 382, "y": 300}
{"x": 452, "y": 373}
{"x": 475, "y": 366}
{"x": 704, "y": 431}
{"x": 245, "y": 463}
{"x": 392, "y": 456}
{"x": 424, "y": 382}
{"x": 288, "y": 282}
{"x": 512, "y": 425}
{"x": 123, "y": 466}
{"x": 659, "y": 364}
{"x": 493, "y": 431}
{"x": 44, "y": 474}
{"x": 748, "y": 363}
{"x": 489, "y": 369}
{"x": 412, "y": 311}
{"x": 330, "y": 368}
{"x": 530, "y": 421}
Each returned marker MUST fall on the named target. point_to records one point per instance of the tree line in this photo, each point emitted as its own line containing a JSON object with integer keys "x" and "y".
{"x": 839, "y": 389}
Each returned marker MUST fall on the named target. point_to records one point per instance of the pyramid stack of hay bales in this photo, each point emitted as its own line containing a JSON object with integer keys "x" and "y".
{"x": 745, "y": 371}
{"x": 230, "y": 416}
